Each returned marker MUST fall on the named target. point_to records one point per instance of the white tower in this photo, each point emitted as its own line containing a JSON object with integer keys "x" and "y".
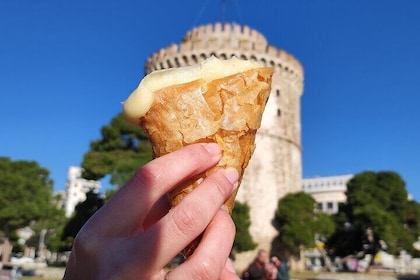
{"x": 276, "y": 166}
{"x": 76, "y": 189}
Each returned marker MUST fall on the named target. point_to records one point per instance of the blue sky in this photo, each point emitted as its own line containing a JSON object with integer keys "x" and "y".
{"x": 65, "y": 66}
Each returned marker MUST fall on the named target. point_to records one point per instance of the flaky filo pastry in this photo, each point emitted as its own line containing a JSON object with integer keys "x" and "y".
{"x": 226, "y": 110}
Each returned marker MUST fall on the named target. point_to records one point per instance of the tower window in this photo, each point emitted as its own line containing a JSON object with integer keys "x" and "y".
{"x": 177, "y": 64}
{"x": 319, "y": 206}
{"x": 264, "y": 61}
{"x": 185, "y": 59}
{"x": 194, "y": 57}
{"x": 277, "y": 92}
{"x": 278, "y": 112}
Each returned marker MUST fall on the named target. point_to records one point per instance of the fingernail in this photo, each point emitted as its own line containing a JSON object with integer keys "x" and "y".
{"x": 229, "y": 266}
{"x": 224, "y": 208}
{"x": 232, "y": 175}
{"x": 213, "y": 149}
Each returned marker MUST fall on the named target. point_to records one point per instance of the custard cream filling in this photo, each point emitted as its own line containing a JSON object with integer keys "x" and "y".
{"x": 141, "y": 99}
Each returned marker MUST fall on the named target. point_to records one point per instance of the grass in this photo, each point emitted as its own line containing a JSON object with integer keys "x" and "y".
{"x": 303, "y": 275}
{"x": 293, "y": 275}
{"x": 38, "y": 278}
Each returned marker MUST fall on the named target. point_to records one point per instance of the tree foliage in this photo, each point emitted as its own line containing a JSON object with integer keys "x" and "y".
{"x": 243, "y": 239}
{"x": 53, "y": 223}
{"x": 26, "y": 198}
{"x": 120, "y": 151}
{"x": 379, "y": 201}
{"x": 25, "y": 194}
{"x": 299, "y": 224}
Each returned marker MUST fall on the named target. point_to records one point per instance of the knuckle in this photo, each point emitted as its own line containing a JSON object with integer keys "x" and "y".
{"x": 196, "y": 156}
{"x": 148, "y": 175}
{"x": 186, "y": 220}
{"x": 203, "y": 271}
{"x": 230, "y": 224}
{"x": 83, "y": 243}
{"x": 220, "y": 184}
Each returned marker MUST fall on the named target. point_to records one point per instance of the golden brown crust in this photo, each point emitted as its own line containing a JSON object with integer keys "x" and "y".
{"x": 227, "y": 111}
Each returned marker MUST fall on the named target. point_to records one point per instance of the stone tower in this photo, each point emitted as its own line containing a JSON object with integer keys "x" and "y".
{"x": 276, "y": 166}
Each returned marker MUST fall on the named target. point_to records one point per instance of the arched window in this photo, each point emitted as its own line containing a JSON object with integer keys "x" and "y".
{"x": 264, "y": 61}
{"x": 177, "y": 64}
{"x": 194, "y": 58}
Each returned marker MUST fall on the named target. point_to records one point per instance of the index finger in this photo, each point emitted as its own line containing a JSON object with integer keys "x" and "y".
{"x": 150, "y": 183}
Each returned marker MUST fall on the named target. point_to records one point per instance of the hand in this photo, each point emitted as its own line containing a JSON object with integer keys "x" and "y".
{"x": 134, "y": 235}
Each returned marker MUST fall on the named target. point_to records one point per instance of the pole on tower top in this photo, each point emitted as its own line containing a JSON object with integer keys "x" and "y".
{"x": 223, "y": 11}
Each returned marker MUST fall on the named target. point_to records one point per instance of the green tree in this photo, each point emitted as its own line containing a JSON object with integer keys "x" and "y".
{"x": 120, "y": 151}
{"x": 25, "y": 195}
{"x": 299, "y": 224}
{"x": 53, "y": 223}
{"x": 243, "y": 239}
{"x": 412, "y": 225}
{"x": 376, "y": 201}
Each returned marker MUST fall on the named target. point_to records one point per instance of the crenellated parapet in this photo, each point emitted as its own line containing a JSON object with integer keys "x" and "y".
{"x": 244, "y": 33}
{"x": 224, "y": 41}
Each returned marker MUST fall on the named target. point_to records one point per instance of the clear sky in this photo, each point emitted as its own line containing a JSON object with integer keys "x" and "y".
{"x": 65, "y": 66}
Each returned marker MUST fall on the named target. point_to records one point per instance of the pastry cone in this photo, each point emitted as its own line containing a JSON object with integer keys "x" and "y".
{"x": 225, "y": 108}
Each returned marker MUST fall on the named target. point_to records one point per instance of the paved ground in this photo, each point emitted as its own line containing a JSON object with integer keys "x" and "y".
{"x": 58, "y": 273}
{"x": 48, "y": 272}
{"x": 362, "y": 276}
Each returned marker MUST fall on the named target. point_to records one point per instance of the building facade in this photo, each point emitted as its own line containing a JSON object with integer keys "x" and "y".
{"x": 77, "y": 188}
{"x": 328, "y": 192}
{"x": 276, "y": 166}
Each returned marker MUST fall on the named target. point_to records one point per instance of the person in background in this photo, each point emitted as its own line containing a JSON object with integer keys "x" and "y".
{"x": 134, "y": 235}
{"x": 282, "y": 268}
{"x": 272, "y": 271}
{"x": 257, "y": 269}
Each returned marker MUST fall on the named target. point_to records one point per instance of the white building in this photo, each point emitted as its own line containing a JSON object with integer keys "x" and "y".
{"x": 328, "y": 191}
{"x": 76, "y": 189}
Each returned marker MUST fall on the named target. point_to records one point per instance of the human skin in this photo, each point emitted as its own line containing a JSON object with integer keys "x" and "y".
{"x": 135, "y": 234}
